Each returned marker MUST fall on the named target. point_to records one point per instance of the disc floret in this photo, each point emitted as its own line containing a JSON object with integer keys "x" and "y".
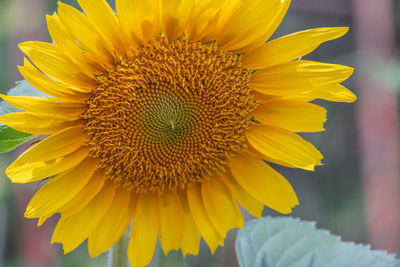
{"x": 169, "y": 114}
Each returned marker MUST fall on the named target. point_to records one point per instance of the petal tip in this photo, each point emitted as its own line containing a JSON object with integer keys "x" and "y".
{"x": 351, "y": 97}
{"x": 354, "y": 98}
{"x": 292, "y": 206}
{"x": 29, "y": 212}
{"x": 10, "y": 174}
{"x": 339, "y": 31}
{"x": 93, "y": 253}
{"x": 22, "y": 47}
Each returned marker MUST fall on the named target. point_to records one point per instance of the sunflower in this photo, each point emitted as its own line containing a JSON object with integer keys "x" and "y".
{"x": 163, "y": 116}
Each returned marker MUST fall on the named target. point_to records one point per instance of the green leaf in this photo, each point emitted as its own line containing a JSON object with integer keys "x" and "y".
{"x": 285, "y": 241}
{"x": 10, "y": 138}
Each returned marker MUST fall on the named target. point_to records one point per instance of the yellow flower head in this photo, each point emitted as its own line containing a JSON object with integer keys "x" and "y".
{"x": 163, "y": 115}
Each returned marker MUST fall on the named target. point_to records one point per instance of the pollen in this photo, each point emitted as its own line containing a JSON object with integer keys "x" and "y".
{"x": 168, "y": 115}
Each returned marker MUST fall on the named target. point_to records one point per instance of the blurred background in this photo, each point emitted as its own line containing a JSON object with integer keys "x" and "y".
{"x": 354, "y": 195}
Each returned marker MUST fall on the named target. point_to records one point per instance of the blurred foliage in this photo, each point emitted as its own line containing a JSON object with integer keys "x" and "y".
{"x": 78, "y": 258}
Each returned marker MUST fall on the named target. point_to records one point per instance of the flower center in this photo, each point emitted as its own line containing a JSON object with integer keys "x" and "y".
{"x": 168, "y": 115}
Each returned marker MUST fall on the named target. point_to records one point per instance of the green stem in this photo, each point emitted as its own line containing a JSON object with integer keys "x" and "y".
{"x": 117, "y": 255}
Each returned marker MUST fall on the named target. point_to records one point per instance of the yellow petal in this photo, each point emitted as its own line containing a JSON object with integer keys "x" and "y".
{"x": 203, "y": 20}
{"x": 61, "y": 108}
{"x": 263, "y": 183}
{"x": 201, "y": 218}
{"x": 106, "y": 22}
{"x": 296, "y": 116}
{"x": 60, "y": 190}
{"x": 297, "y": 77}
{"x": 272, "y": 26}
{"x": 139, "y": 19}
{"x": 53, "y": 147}
{"x": 335, "y": 93}
{"x": 85, "y": 33}
{"x": 35, "y": 124}
{"x": 254, "y": 153}
{"x": 86, "y": 61}
{"x": 248, "y": 202}
{"x": 266, "y": 98}
{"x": 42, "y": 83}
{"x": 226, "y": 9}
{"x": 290, "y": 47}
{"x": 172, "y": 17}
{"x": 221, "y": 208}
{"x": 54, "y": 64}
{"x": 145, "y": 229}
{"x": 82, "y": 199}
{"x": 171, "y": 228}
{"x": 72, "y": 231}
{"x": 42, "y": 220}
{"x": 248, "y": 24}
{"x": 27, "y": 172}
{"x": 113, "y": 225}
{"x": 191, "y": 235}
{"x": 284, "y": 145}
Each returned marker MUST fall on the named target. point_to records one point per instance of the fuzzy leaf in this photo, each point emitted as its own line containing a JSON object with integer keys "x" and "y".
{"x": 284, "y": 241}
